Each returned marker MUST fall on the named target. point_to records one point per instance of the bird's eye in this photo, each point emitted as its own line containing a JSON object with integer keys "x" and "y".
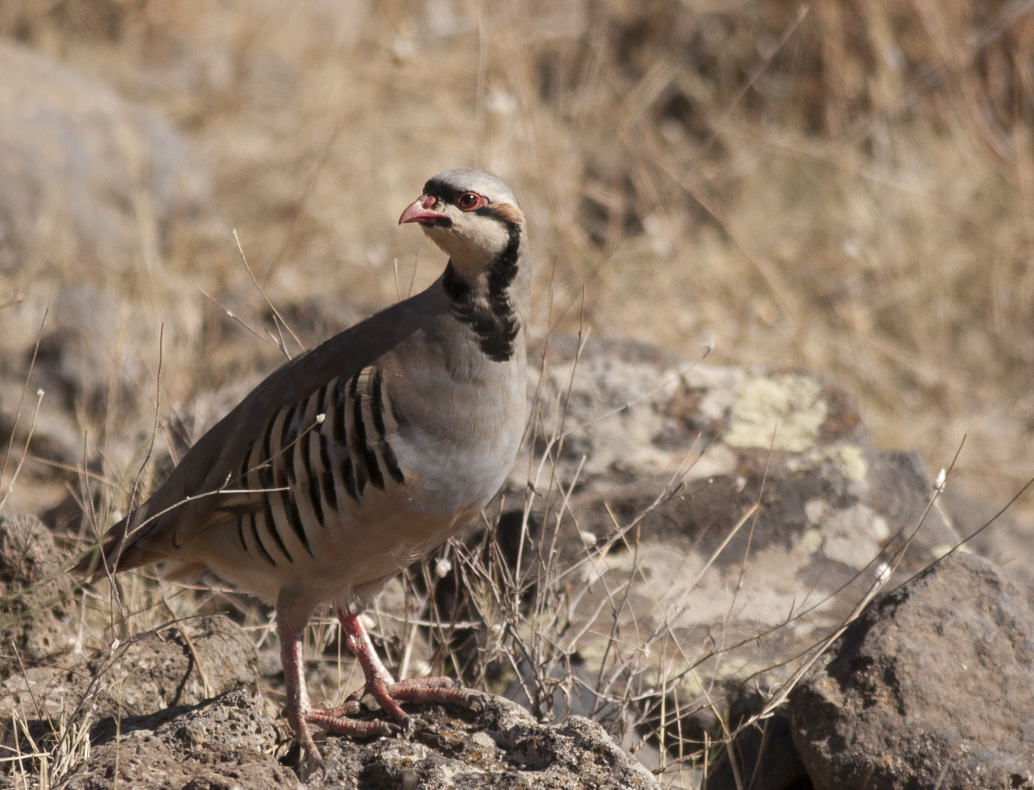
{"x": 469, "y": 201}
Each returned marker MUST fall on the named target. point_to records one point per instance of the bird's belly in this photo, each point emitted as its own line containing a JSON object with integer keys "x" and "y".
{"x": 360, "y": 546}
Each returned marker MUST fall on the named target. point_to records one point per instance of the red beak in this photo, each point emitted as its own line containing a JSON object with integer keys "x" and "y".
{"x": 421, "y": 211}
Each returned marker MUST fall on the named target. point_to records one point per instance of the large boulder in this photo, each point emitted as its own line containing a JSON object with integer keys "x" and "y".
{"x": 932, "y": 686}
{"x": 711, "y": 526}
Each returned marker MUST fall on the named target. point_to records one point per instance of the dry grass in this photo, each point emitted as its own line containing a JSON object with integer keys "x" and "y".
{"x": 849, "y": 190}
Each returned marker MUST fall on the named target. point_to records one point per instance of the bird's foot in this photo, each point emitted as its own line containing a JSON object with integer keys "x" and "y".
{"x": 418, "y": 691}
{"x": 382, "y": 687}
{"x": 337, "y": 722}
{"x": 334, "y": 721}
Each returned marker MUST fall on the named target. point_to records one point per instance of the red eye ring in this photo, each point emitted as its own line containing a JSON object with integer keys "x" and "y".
{"x": 469, "y": 201}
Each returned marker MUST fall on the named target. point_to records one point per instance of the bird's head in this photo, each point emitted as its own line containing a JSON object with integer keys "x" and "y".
{"x": 472, "y": 215}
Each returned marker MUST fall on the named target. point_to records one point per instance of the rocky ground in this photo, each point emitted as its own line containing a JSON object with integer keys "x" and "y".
{"x": 738, "y": 565}
{"x": 698, "y": 576}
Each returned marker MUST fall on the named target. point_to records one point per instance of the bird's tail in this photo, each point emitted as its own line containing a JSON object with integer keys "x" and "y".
{"x": 103, "y": 558}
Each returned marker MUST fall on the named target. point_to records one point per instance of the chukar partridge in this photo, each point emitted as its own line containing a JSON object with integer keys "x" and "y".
{"x": 357, "y": 457}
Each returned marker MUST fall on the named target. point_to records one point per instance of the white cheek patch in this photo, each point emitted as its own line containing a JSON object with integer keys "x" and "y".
{"x": 489, "y": 235}
{"x": 471, "y": 242}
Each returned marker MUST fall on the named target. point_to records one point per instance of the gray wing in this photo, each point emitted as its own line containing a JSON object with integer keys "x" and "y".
{"x": 203, "y": 490}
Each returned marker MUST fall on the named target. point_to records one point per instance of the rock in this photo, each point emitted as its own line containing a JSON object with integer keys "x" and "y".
{"x": 156, "y": 670}
{"x": 218, "y": 744}
{"x": 39, "y": 425}
{"x": 742, "y": 514}
{"x": 228, "y": 741}
{"x": 82, "y": 364}
{"x": 930, "y": 687}
{"x": 77, "y": 361}
{"x": 90, "y": 178}
{"x": 501, "y": 746}
{"x": 149, "y": 672}
{"x": 37, "y": 619}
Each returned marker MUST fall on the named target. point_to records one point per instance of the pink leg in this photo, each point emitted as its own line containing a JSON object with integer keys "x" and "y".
{"x": 300, "y": 714}
{"x": 384, "y": 688}
{"x": 294, "y": 678}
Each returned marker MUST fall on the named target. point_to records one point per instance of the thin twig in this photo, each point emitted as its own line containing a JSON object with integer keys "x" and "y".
{"x": 276, "y": 313}
{"x": 24, "y": 390}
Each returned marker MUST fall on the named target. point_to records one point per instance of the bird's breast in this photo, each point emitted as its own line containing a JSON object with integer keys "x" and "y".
{"x": 461, "y": 442}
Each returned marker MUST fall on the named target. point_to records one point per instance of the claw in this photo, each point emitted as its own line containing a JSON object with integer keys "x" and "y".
{"x": 407, "y": 728}
{"x": 312, "y": 766}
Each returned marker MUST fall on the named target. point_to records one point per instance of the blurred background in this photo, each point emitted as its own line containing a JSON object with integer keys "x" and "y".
{"x": 845, "y": 187}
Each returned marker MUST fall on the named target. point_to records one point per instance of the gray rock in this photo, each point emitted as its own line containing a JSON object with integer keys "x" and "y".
{"x": 88, "y": 177}
{"x": 930, "y": 687}
{"x": 742, "y": 514}
{"x": 77, "y": 361}
{"x": 1004, "y": 537}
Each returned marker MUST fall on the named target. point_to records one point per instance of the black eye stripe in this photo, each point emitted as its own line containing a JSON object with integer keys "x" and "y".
{"x": 447, "y": 192}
